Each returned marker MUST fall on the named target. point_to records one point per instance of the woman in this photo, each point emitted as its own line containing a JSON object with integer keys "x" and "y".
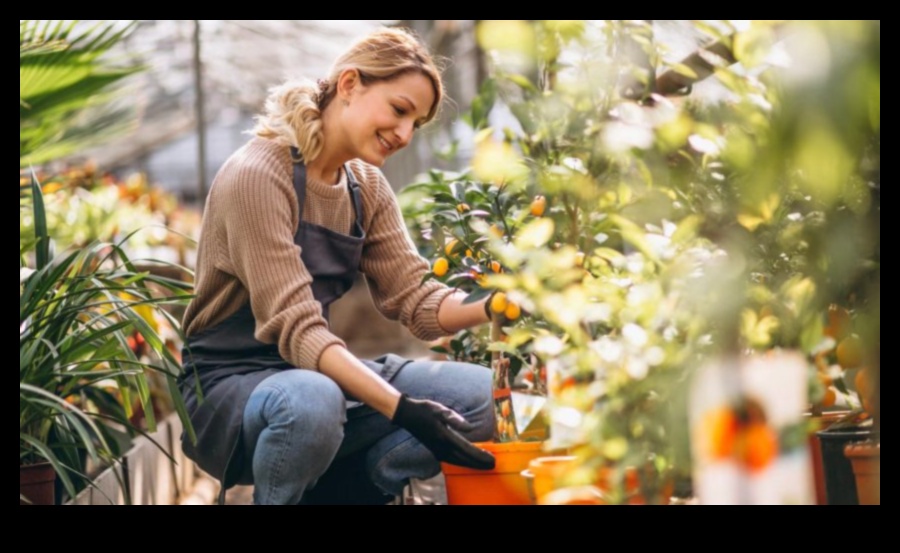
{"x": 275, "y": 398}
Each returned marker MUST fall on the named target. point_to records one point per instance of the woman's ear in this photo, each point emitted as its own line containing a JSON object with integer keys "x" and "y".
{"x": 347, "y": 83}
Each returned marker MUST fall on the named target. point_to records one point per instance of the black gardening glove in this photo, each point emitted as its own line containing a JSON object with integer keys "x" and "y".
{"x": 436, "y": 427}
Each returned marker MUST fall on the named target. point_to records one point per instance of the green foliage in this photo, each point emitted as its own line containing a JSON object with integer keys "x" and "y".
{"x": 94, "y": 331}
{"x": 78, "y": 374}
{"x": 673, "y": 227}
{"x": 67, "y": 87}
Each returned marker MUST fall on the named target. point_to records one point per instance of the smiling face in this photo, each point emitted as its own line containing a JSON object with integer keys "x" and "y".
{"x": 380, "y": 118}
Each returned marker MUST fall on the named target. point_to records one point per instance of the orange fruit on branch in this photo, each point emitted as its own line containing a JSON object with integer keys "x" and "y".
{"x": 498, "y": 303}
{"x": 440, "y": 267}
{"x": 538, "y": 205}
{"x": 830, "y": 397}
{"x": 758, "y": 446}
{"x": 512, "y": 311}
{"x": 850, "y": 352}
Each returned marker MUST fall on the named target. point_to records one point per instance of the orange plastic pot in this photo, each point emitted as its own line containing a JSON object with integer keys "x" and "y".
{"x": 547, "y": 472}
{"x": 503, "y": 485}
{"x": 576, "y": 495}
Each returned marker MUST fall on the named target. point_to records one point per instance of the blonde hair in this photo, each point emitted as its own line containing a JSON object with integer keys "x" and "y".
{"x": 293, "y": 110}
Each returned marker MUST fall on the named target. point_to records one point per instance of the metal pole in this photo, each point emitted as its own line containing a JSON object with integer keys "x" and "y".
{"x": 201, "y": 122}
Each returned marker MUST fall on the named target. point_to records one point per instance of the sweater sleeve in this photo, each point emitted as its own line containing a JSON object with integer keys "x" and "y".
{"x": 260, "y": 217}
{"x": 394, "y": 269}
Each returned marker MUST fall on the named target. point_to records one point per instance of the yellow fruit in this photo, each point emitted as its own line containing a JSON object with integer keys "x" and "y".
{"x": 495, "y": 231}
{"x": 440, "y": 267}
{"x": 850, "y": 352}
{"x": 448, "y": 249}
{"x": 462, "y": 208}
{"x": 512, "y": 311}
{"x": 495, "y": 266}
{"x": 498, "y": 303}
{"x": 469, "y": 253}
{"x": 538, "y": 205}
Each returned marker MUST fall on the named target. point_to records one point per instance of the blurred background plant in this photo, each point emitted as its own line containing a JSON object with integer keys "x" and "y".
{"x": 83, "y": 205}
{"x": 70, "y": 95}
{"x": 644, "y": 224}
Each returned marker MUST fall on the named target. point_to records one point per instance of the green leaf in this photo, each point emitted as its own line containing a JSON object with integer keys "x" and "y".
{"x": 522, "y": 81}
{"x": 40, "y": 223}
{"x": 535, "y": 234}
{"x": 477, "y": 295}
{"x": 685, "y": 70}
{"x": 66, "y": 91}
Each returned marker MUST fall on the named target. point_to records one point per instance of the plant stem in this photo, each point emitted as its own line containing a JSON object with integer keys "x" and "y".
{"x": 505, "y": 430}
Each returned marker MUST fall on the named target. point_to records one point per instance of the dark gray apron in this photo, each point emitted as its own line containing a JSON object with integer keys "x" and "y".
{"x": 228, "y": 362}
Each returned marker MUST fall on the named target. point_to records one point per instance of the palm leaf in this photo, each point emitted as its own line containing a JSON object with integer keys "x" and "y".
{"x": 67, "y": 86}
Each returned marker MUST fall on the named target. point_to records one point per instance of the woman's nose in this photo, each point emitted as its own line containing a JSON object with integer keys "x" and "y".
{"x": 404, "y": 134}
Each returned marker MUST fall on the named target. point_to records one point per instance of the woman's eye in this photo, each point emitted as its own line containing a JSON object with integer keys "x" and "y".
{"x": 399, "y": 111}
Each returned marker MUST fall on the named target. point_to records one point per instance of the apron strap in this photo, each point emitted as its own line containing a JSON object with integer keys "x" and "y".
{"x": 356, "y": 194}
{"x": 299, "y": 184}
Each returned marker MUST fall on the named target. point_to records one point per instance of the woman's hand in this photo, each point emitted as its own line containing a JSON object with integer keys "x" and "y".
{"x": 436, "y": 427}
{"x": 429, "y": 422}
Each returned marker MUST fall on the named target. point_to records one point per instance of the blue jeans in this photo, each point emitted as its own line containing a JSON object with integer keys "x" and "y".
{"x": 296, "y": 424}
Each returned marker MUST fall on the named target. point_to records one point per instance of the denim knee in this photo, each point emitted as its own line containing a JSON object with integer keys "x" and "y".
{"x": 293, "y": 427}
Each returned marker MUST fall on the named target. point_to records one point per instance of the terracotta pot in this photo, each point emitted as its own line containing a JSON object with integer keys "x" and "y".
{"x": 37, "y": 483}
{"x": 865, "y": 458}
{"x": 818, "y": 423}
{"x": 503, "y": 485}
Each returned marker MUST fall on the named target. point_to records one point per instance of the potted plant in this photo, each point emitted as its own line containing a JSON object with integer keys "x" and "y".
{"x": 79, "y": 377}
{"x": 461, "y": 257}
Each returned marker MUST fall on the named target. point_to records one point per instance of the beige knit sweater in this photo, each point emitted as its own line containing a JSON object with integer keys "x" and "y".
{"x": 247, "y": 253}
